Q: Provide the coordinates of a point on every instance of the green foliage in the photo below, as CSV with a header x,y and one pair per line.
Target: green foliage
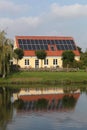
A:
x,y
77,64
41,54
14,68
18,54
84,59
68,58
6,54
79,49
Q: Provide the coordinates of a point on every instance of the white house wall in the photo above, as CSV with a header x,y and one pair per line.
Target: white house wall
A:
x,y
32,62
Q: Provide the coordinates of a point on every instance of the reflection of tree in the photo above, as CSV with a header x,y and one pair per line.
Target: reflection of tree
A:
x,y
19,104
6,113
41,103
68,101
6,108
83,89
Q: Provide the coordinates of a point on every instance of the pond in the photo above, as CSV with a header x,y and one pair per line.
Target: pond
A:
x,y
50,108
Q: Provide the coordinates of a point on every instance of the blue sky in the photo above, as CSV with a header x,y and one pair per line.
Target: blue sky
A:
x,y
45,17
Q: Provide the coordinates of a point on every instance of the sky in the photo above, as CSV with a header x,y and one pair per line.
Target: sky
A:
x,y
45,17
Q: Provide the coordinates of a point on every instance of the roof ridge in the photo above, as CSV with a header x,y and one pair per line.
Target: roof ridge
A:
x,y
43,37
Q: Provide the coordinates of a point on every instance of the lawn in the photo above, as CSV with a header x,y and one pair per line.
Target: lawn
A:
x,y
46,76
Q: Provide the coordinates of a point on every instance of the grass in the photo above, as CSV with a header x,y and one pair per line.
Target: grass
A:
x,y
43,77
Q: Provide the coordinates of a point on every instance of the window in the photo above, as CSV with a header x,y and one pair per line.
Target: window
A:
x,y
45,61
26,61
54,61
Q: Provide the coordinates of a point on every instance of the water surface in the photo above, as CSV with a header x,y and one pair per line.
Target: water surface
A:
x,y
43,109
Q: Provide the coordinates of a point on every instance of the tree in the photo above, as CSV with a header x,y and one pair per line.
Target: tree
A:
x,y
79,49
6,54
18,54
41,54
68,58
84,59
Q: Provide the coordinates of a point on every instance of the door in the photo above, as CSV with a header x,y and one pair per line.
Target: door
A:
x,y
36,63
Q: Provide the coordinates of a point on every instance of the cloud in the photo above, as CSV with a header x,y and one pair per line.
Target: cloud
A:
x,y
10,8
68,11
60,20
20,26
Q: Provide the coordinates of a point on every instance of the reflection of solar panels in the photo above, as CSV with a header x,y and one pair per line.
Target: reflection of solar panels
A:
x,y
32,44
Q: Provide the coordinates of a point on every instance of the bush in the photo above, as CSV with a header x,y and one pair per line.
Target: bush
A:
x,y
14,68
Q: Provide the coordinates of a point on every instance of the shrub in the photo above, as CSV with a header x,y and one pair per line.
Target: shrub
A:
x,y
14,68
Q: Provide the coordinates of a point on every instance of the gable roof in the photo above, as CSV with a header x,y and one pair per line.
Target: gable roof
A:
x,y
53,45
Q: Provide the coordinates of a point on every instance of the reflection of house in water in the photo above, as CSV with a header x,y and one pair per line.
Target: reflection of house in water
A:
x,y
56,98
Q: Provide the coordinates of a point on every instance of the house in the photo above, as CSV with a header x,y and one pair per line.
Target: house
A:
x,y
53,45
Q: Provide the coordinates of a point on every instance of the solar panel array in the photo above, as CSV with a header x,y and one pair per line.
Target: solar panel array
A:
x,y
27,44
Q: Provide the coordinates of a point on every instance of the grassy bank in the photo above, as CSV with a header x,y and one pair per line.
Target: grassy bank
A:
x,y
46,77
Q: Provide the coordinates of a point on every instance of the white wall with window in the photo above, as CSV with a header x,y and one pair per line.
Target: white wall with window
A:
x,y
33,62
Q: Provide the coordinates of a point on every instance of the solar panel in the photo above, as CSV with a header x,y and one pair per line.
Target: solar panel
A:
x,y
57,42
40,42
21,46
48,42
64,42
66,47
73,47
42,47
60,41
71,41
52,42
46,47
44,42
68,41
70,47
25,47
30,44
62,47
23,41
29,47
58,47
19,41
37,47
36,42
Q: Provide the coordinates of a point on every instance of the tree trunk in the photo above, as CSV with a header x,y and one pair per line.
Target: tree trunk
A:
x,y
67,67
17,61
4,71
